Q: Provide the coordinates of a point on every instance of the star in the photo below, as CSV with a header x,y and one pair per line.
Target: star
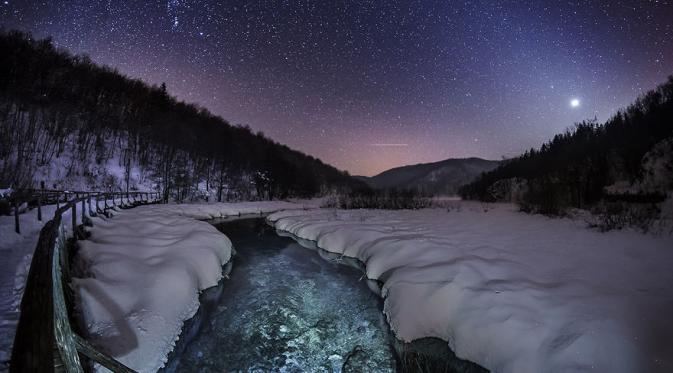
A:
x,y
331,78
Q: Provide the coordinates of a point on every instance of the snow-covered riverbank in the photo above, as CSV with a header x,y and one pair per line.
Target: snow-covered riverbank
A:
x,y
509,291
144,269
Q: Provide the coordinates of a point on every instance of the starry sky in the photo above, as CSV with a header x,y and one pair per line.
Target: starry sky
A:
x,y
370,85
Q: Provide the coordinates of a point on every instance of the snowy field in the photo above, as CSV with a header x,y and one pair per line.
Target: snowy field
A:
x,y
509,291
144,269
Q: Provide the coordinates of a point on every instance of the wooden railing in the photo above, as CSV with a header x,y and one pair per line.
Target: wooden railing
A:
x,y
39,197
45,340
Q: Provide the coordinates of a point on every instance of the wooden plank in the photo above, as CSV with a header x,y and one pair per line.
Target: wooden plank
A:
x,y
34,340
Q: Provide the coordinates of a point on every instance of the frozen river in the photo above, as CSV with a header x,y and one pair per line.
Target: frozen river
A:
x,y
284,308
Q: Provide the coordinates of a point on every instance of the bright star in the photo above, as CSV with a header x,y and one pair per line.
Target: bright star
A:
x,y
575,102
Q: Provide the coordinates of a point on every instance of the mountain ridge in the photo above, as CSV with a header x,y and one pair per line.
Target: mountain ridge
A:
x,y
442,177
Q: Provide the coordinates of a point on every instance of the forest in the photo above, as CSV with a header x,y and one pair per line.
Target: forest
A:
x,y
584,166
92,127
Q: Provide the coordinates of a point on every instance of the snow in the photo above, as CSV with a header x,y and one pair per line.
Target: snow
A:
x,y
16,251
510,291
71,169
144,270
145,273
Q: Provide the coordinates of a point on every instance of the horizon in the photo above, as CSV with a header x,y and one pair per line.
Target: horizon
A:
x,y
349,186
367,89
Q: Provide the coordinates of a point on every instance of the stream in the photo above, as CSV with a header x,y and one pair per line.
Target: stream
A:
x,y
284,308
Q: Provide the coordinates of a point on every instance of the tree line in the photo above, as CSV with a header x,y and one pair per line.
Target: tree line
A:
x,y
54,103
574,168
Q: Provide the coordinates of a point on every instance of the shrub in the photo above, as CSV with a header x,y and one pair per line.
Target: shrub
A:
x,y
619,215
378,199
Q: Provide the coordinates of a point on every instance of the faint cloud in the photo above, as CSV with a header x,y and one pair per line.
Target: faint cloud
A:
x,y
386,144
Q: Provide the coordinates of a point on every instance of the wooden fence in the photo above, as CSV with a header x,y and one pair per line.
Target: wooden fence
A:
x,y
45,340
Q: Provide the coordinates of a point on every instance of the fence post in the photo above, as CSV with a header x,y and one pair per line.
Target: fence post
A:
x,y
39,201
83,211
74,218
88,202
17,228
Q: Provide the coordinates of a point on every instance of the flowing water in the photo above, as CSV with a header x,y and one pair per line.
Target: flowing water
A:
x,y
284,309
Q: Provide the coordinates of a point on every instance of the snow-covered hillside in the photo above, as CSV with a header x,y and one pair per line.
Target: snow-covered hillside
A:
x,y
437,178
510,291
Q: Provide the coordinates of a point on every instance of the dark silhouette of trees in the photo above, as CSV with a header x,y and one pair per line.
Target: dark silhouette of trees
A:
x,y
573,168
54,103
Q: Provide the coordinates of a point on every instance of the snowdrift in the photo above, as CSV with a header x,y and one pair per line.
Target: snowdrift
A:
x,y
509,291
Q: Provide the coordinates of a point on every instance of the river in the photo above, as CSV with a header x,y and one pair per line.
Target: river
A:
x,y
284,308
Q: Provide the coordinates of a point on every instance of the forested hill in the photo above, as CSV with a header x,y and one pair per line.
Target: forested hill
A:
x,y
436,178
73,124
630,154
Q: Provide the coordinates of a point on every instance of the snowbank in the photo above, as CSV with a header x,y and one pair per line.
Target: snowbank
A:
x,y
509,291
144,270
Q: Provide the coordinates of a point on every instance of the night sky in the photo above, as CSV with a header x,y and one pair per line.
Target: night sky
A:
x,y
368,85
